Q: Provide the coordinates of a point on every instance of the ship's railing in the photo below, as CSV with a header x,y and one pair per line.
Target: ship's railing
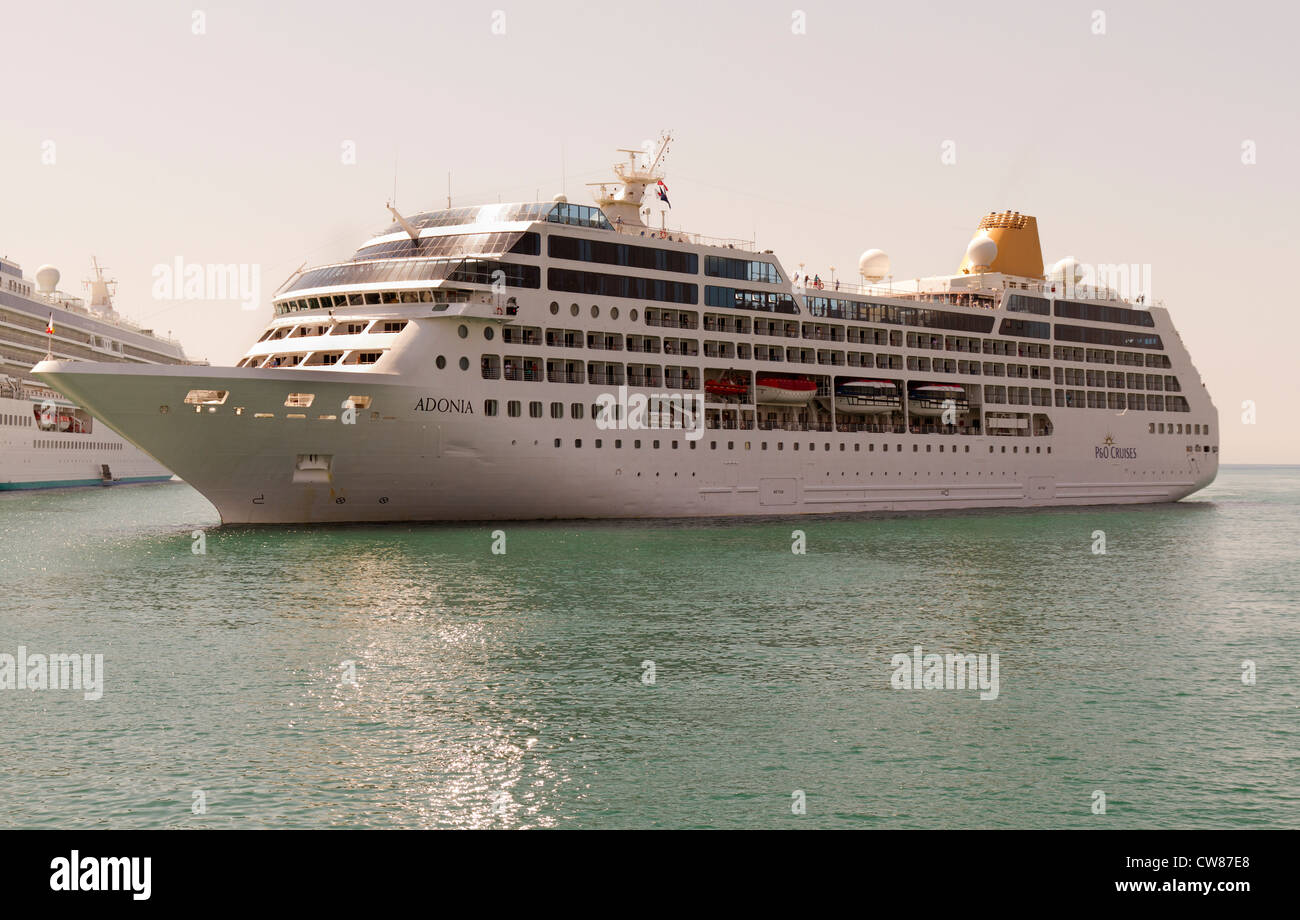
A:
x,y
822,287
982,295
682,236
987,300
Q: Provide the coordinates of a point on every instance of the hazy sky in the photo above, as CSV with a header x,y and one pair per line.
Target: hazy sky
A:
x,y
227,146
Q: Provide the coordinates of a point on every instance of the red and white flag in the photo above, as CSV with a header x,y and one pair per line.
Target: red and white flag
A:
x,y
49,327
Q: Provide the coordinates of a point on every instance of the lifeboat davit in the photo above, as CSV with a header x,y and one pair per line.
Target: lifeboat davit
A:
x,y
783,391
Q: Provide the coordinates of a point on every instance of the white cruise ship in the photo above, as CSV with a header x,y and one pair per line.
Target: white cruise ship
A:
x,y
46,440
555,360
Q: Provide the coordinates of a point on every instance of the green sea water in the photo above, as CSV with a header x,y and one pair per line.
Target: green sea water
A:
x,y
516,689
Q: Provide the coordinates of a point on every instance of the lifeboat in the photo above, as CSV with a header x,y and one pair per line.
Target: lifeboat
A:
x,y
867,397
931,399
726,386
783,391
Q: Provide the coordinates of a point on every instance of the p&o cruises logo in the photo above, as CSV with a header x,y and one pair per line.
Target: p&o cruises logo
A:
x,y
1108,450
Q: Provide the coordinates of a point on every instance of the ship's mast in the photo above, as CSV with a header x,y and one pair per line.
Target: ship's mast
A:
x,y
101,291
621,197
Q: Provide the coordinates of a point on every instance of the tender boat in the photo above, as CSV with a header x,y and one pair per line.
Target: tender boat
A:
x,y
726,387
932,399
867,397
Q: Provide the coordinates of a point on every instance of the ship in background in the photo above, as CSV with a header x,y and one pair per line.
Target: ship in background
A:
x,y
495,363
46,440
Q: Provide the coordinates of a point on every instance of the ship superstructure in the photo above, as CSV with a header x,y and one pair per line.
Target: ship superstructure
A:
x,y
540,360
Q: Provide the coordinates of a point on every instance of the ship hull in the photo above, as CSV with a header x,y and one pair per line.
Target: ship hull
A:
x,y
424,451
32,458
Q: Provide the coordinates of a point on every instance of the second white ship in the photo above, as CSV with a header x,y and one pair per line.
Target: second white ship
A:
x,y
47,440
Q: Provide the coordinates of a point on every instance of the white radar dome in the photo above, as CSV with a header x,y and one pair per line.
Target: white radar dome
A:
x,y
47,279
873,265
981,252
1066,271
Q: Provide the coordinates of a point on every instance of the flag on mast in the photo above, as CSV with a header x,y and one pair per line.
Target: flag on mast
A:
x,y
662,191
49,327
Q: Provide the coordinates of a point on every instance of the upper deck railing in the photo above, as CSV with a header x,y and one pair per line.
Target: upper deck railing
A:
x,y
682,236
984,292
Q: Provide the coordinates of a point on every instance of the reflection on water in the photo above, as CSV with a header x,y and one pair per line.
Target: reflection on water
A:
x,y
505,691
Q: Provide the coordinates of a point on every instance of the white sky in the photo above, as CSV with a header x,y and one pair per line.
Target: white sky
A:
x,y
226,147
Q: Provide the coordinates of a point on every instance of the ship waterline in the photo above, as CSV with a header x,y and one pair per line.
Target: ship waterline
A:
x,y
462,367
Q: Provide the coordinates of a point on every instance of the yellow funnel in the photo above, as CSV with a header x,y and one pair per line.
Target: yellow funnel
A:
x,y
1016,236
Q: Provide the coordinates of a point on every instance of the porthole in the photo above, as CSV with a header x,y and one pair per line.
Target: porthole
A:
x,y
488,333
595,311
633,314
441,362
555,308
613,312
462,331
573,309
464,364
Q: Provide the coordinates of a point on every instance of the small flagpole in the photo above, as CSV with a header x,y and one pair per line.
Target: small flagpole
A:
x,y
49,339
